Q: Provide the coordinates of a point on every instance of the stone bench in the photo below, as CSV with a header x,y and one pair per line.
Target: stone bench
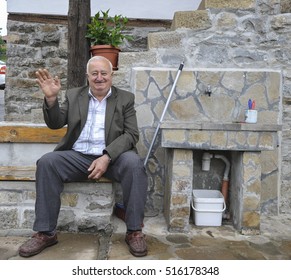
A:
x,y
86,206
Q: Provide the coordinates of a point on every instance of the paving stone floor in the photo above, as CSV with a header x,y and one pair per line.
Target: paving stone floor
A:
x,y
209,243
201,243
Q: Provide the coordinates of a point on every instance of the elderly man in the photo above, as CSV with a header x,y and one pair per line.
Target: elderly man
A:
x,y
101,136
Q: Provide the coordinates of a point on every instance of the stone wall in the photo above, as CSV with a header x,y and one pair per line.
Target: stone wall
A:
x,y
227,34
32,45
36,41
85,207
257,35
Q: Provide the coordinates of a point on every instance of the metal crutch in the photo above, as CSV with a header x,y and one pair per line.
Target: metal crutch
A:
x,y
164,112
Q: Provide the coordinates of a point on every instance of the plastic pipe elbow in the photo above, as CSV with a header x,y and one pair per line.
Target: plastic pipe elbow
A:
x,y
227,166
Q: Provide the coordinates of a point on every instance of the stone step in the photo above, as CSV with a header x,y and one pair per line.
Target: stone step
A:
x,y
198,19
134,59
128,60
172,38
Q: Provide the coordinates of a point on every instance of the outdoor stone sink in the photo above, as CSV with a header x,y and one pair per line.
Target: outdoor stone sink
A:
x,y
207,112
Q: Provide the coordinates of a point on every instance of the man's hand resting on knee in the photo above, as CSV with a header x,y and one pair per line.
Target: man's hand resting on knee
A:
x,y
98,167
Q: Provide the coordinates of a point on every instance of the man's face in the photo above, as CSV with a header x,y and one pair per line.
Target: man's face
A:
x,y
99,78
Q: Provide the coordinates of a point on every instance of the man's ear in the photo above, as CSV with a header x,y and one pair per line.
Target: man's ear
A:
x,y
87,79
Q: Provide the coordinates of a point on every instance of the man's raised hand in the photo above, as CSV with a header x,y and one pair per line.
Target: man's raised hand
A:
x,y
48,84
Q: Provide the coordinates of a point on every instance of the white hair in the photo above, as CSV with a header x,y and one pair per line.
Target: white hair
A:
x,y
98,58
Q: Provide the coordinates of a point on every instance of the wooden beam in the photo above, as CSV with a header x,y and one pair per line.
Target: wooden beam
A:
x,y
17,173
27,173
30,134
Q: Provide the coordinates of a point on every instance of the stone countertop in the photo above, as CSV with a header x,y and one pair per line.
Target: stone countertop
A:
x,y
235,126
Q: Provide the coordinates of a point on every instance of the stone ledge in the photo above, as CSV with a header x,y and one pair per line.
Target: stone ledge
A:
x,y
221,126
218,139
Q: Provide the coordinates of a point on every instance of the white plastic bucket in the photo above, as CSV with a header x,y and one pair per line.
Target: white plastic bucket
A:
x,y
208,207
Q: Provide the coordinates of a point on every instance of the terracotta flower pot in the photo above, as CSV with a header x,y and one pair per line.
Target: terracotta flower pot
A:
x,y
111,53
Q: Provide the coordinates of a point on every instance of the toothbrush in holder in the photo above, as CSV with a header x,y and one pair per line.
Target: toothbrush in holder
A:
x,y
251,104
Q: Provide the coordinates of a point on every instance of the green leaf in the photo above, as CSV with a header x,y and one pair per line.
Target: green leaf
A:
x,y
107,30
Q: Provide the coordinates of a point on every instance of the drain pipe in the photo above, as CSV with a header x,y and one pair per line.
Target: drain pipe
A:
x,y
206,158
225,180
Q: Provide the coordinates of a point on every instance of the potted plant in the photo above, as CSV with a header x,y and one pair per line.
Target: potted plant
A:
x,y
106,34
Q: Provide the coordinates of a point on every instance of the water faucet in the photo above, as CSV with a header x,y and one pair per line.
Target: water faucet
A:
x,y
208,90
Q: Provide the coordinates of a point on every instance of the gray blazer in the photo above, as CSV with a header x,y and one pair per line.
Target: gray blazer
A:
x,y
121,130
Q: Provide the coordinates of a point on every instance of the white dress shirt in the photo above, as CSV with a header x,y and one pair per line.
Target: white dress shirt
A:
x,y
92,138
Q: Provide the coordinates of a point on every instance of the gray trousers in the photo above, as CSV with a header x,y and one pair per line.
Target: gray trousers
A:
x,y
56,168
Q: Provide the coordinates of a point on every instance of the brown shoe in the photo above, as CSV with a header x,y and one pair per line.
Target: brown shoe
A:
x,y
137,244
36,244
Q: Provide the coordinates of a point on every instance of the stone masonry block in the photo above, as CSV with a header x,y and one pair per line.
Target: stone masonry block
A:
x,y
166,39
191,19
179,199
226,20
140,81
252,203
233,4
181,171
240,137
69,199
174,136
9,197
181,185
180,212
285,6
183,109
199,137
254,188
136,59
29,196
251,220
98,206
8,218
93,223
252,139
67,219
266,140
182,155
27,218
252,167
178,225
281,21
219,139
269,161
